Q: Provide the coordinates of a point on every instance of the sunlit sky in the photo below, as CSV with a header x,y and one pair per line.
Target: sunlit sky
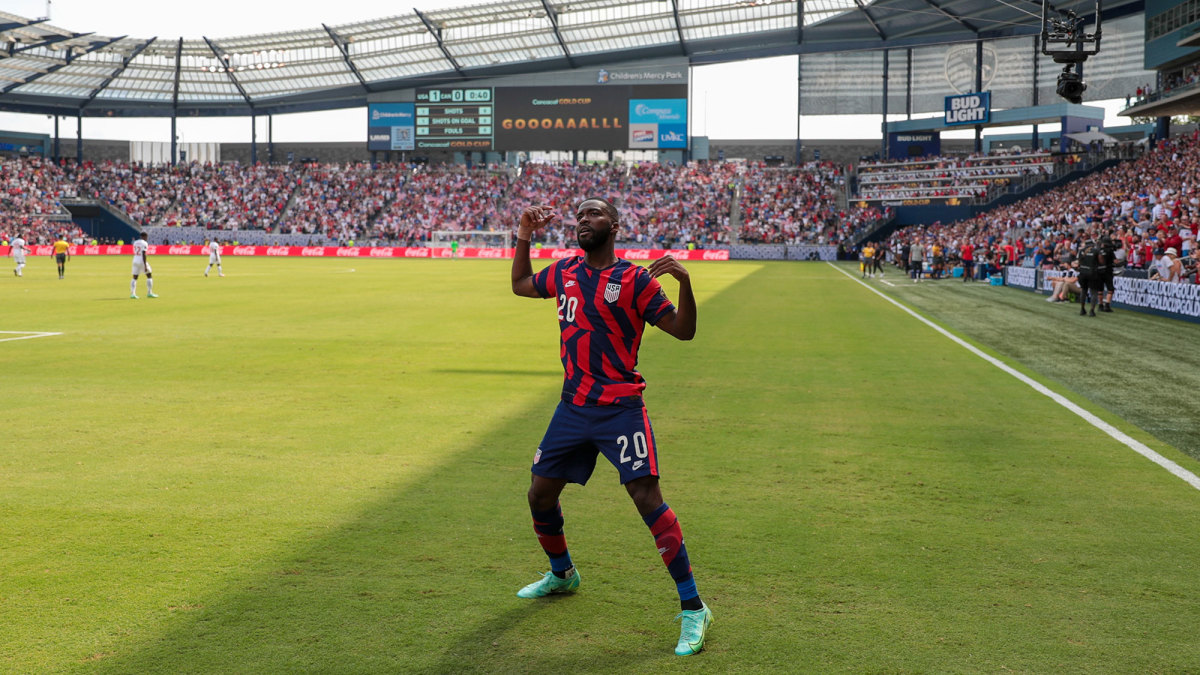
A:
x,y
716,101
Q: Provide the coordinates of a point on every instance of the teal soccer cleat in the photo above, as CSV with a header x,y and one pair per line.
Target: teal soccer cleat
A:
x,y
551,585
691,633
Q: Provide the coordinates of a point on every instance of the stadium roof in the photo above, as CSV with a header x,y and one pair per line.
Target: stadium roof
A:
x,y
51,70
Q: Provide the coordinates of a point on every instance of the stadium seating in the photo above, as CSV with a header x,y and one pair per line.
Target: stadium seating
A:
x,y
1143,204
969,177
663,205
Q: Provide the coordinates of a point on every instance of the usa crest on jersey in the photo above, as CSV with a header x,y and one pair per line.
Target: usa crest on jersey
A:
x,y
612,292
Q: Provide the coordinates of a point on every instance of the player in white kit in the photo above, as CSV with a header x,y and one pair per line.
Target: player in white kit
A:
x,y
18,251
214,257
140,266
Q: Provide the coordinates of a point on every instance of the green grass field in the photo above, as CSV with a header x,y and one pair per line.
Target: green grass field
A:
x,y
320,466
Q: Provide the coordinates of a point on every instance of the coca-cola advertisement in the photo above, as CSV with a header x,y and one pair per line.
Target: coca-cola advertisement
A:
x,y
381,252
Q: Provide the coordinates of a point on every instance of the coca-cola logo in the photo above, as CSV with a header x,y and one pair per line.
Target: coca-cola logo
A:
x,y
152,250
445,253
113,250
561,253
277,250
91,250
491,253
243,250
416,253
381,252
179,250
635,254
716,255
312,250
347,252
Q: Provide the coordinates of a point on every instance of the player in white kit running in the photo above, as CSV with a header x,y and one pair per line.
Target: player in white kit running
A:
x,y
141,265
214,257
18,251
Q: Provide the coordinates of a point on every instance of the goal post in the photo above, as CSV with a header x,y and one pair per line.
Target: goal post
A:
x,y
470,239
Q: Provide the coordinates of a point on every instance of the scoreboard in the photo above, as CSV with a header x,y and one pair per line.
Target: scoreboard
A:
x,y
459,118
605,116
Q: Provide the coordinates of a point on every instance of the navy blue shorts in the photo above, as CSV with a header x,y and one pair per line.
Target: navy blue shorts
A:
x,y
577,434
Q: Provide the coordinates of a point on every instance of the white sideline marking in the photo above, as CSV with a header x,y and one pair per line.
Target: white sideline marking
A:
x,y
1132,443
25,335
882,281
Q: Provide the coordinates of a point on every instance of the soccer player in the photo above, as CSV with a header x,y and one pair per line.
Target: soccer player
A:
x,y
140,265
18,251
214,257
62,253
603,304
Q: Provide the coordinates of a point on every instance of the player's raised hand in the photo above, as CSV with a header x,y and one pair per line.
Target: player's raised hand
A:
x,y
535,217
668,265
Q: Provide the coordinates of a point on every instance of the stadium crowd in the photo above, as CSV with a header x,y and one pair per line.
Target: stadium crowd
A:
x,y
967,176
1149,209
663,204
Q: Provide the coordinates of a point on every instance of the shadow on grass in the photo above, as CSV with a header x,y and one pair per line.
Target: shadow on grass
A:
x,y
424,581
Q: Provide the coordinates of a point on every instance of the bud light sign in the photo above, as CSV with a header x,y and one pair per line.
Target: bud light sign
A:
x,y
968,109
657,123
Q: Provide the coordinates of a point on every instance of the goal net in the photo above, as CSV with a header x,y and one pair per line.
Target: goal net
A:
x,y
471,239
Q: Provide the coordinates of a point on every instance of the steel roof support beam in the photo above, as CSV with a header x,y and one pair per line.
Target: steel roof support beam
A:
x,y
175,103
678,26
178,65
800,22
9,25
46,42
553,16
120,69
344,48
870,19
223,58
437,35
70,56
952,16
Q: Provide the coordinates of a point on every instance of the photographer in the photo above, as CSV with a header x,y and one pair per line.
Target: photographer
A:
x,y
1108,263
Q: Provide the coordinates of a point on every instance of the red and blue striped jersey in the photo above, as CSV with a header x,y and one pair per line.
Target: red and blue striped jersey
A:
x,y
601,315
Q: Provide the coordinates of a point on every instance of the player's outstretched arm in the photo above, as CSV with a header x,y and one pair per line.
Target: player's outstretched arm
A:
x,y
681,322
533,218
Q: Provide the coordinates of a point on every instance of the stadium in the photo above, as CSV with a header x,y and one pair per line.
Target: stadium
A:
x,y
923,398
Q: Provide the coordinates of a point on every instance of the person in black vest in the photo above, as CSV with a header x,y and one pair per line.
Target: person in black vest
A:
x,y
1108,253
1090,261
